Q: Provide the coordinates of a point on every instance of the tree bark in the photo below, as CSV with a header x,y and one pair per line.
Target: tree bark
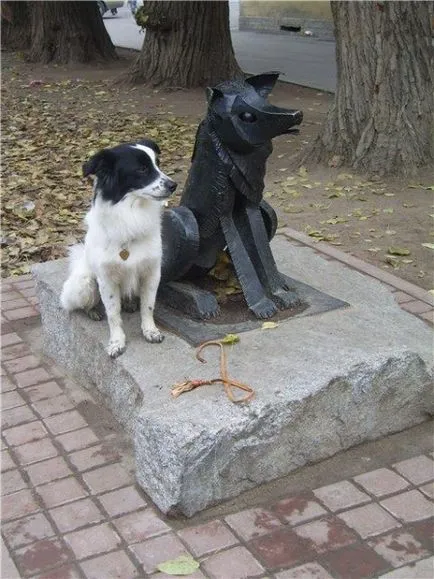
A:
x,y
67,32
15,25
187,44
382,118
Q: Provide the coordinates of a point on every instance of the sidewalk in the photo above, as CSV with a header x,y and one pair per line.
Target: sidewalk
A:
x,y
70,508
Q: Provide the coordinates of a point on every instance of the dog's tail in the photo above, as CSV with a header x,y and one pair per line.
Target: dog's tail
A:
x,y
80,291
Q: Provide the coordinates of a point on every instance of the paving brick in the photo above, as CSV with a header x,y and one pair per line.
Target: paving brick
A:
x,y
77,439
6,384
398,548
11,400
43,391
18,504
16,416
9,295
402,297
423,531
92,541
25,433
355,561
409,506
428,317
8,568
122,501
27,530
25,282
48,470
28,292
71,516
298,509
14,304
369,520
381,482
140,526
65,422
53,406
417,470
428,490
16,350
6,461
30,377
35,451
64,572
204,539
107,478
326,534
20,313
419,570
42,555
416,307
195,575
114,565
61,491
235,563
253,523
282,548
306,571
341,495
158,550
11,482
94,456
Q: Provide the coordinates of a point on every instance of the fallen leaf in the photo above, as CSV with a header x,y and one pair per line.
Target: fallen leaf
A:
x,y
183,565
428,245
230,339
398,251
269,325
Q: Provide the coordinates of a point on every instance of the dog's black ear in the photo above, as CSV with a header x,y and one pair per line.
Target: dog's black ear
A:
x,y
212,94
151,144
263,83
102,161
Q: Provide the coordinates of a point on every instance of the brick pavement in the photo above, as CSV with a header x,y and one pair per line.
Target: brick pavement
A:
x,y
70,508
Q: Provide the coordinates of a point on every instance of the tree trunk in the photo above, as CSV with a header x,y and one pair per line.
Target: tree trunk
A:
x,y
382,118
187,44
65,32
15,25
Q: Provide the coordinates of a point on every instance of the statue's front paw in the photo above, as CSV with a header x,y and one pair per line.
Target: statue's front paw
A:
x,y
264,309
286,299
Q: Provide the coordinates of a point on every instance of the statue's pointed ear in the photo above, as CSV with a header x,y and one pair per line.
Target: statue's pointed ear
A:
x,y
263,83
212,94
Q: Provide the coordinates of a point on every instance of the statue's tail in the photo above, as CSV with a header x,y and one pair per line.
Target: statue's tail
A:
x,y
180,235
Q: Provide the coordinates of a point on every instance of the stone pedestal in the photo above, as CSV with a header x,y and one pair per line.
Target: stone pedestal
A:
x,y
323,383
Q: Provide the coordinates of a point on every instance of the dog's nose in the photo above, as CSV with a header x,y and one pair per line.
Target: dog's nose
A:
x,y
171,185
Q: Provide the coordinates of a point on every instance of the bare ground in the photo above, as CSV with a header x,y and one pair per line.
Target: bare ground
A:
x,y
53,118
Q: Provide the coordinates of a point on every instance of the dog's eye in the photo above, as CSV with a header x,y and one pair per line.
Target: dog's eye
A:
x,y
248,117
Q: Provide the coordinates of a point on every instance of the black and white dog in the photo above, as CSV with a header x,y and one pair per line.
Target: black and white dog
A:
x,y
122,252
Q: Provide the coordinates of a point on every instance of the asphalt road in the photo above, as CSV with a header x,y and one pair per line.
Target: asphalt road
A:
x,y
304,61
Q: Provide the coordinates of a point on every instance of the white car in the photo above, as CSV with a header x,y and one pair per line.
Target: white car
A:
x,y
112,5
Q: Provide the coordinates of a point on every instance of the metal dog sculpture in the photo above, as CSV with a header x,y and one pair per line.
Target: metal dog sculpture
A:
x,y
222,206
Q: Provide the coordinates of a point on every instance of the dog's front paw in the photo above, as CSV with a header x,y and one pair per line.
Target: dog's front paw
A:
x,y
153,336
264,309
116,348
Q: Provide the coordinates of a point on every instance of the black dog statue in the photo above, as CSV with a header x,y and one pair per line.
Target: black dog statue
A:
x,y
222,206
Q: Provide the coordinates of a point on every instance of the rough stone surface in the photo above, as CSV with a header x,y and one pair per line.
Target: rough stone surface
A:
x,y
323,384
